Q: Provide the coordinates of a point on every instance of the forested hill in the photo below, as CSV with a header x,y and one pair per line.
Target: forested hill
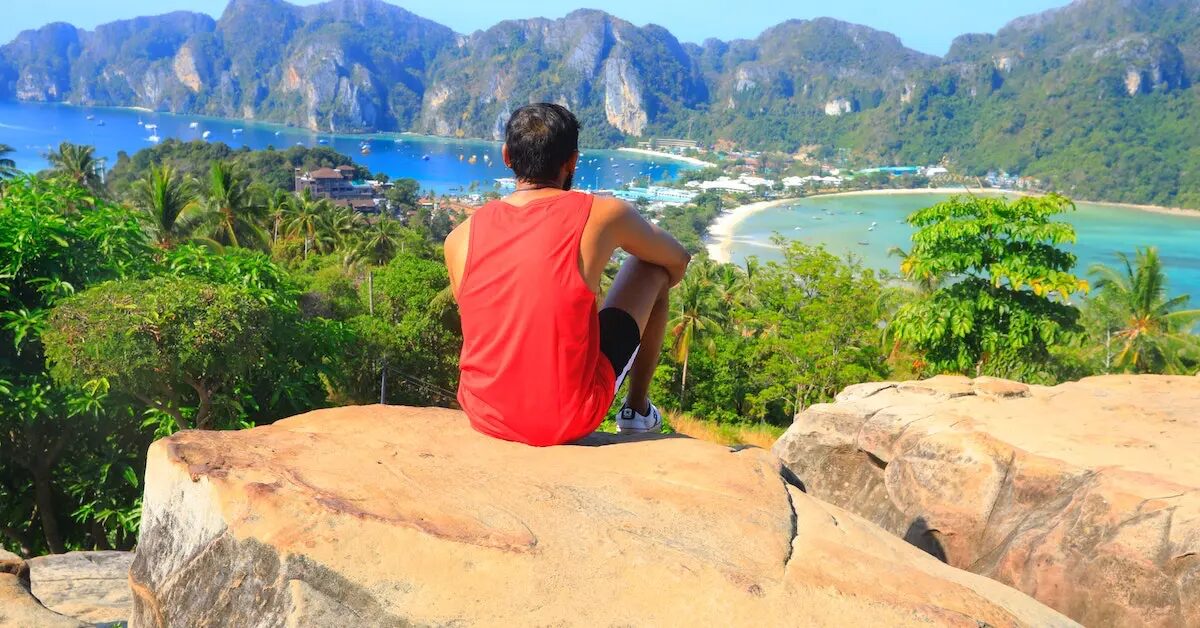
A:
x,y
1098,98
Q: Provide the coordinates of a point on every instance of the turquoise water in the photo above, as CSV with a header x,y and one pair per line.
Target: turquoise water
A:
x,y
34,129
835,222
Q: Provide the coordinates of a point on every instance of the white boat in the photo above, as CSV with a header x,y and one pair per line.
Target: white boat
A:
x,y
236,131
193,125
206,134
89,117
153,138
151,127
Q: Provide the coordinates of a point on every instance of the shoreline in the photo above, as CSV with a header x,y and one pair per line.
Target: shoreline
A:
x,y
719,236
653,153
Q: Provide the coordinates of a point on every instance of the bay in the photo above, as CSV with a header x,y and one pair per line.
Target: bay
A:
x,y
440,164
835,222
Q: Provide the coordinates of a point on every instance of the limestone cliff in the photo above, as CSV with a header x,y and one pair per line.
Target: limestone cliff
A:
x,y
1084,495
400,516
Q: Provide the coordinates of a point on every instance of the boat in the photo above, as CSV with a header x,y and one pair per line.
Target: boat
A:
x,y
89,117
425,157
365,149
153,138
193,125
139,122
151,127
460,156
473,159
206,134
236,131
859,213
322,141
100,123
864,243
277,133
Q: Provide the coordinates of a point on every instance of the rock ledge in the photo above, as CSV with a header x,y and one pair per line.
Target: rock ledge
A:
x,y
398,516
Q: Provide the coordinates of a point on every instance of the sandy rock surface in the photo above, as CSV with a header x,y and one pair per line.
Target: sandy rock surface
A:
x,y
1084,495
396,516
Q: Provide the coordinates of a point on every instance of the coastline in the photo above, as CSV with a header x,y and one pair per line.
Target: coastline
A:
x,y
719,237
719,240
653,153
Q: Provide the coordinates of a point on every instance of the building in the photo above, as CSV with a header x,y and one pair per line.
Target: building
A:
x,y
668,144
337,184
657,194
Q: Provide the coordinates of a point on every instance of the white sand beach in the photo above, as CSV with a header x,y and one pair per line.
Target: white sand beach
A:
x,y
653,153
720,232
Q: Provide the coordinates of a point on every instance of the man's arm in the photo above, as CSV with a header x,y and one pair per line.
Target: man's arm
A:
x,y
647,242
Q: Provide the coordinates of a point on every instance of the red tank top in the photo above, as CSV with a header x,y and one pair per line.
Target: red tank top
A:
x,y
531,369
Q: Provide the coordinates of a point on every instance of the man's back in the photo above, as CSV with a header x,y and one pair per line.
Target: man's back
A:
x,y
540,364
530,323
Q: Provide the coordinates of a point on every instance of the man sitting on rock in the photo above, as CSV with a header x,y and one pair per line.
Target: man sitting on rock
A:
x,y
539,364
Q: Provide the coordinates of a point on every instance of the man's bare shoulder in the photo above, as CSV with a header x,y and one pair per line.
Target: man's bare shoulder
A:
x,y
458,237
610,209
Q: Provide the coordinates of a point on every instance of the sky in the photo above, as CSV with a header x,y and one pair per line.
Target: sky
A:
x,y
926,25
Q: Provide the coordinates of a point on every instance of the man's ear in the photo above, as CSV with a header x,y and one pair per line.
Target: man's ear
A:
x,y
572,163
504,155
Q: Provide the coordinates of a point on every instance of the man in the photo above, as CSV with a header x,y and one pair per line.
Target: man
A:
x,y
539,364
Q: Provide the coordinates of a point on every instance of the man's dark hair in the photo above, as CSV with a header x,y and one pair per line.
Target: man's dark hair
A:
x,y
541,138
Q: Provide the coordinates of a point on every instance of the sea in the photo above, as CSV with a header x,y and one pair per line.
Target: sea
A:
x,y
443,165
868,226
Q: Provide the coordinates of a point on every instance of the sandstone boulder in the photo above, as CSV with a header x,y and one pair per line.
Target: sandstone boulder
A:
x,y
1084,495
381,516
18,607
91,586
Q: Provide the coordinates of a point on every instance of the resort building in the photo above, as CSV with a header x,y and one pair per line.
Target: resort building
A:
x,y
338,185
657,194
667,144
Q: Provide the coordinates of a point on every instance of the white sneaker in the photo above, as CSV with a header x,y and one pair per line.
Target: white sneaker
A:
x,y
629,421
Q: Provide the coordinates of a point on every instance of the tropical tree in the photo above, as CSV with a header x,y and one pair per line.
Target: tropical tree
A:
x,y
182,346
231,214
77,164
303,219
383,239
8,167
694,317
1152,330
48,252
168,203
1009,301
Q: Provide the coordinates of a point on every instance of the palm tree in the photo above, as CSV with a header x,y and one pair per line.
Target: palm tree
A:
x,y
231,213
382,240
924,284
8,167
337,227
693,308
277,209
303,218
1154,331
75,163
168,202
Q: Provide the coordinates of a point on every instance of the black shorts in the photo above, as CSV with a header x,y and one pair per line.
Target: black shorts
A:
x,y
619,341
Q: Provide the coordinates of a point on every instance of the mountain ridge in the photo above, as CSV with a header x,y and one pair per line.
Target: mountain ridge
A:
x,y
1097,85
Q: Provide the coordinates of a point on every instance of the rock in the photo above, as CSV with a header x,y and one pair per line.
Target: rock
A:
x,y
18,607
401,516
1084,495
90,586
12,564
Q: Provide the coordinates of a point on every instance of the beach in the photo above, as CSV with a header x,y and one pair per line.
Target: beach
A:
x,y
720,236
653,153
720,232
